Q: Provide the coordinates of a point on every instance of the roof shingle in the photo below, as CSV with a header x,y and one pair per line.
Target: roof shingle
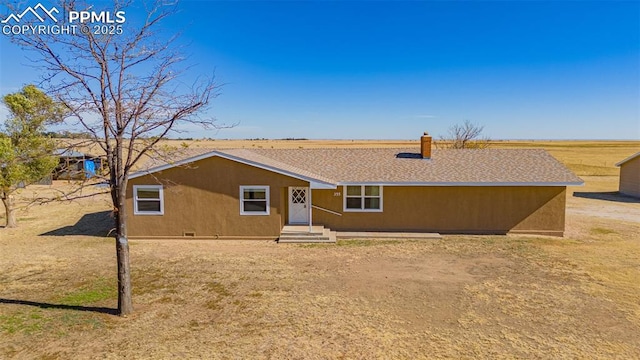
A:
x,y
404,165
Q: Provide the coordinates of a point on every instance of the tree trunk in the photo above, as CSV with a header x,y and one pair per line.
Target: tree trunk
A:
x,y
9,211
125,304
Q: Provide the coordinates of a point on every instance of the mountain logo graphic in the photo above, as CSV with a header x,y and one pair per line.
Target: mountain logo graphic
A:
x,y
34,11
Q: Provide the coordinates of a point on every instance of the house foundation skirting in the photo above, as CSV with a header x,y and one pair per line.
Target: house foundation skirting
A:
x,y
220,237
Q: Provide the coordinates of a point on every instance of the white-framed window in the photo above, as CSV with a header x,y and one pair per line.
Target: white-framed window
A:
x,y
362,198
254,200
148,200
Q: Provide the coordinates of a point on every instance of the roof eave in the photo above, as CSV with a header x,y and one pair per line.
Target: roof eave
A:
x,y
477,183
314,183
167,166
620,163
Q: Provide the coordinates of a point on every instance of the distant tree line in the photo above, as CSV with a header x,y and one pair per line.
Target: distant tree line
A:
x,y
67,135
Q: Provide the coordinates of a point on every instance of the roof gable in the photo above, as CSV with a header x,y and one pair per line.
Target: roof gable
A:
x,y
255,160
628,159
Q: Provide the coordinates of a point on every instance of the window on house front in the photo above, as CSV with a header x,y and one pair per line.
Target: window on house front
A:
x,y
148,200
363,198
254,200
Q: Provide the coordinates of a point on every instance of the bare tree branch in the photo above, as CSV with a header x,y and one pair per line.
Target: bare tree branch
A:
x,y
464,136
126,91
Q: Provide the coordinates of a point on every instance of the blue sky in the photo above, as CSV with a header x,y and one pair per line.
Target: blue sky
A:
x,y
391,70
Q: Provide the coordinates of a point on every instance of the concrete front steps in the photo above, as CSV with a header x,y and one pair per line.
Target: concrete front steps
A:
x,y
301,234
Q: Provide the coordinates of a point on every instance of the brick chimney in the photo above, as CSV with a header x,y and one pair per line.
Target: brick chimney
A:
x,y
425,146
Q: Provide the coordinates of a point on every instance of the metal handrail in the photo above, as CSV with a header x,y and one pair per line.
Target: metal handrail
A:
x,y
327,210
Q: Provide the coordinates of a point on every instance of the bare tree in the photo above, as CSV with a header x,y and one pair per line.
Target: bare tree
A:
x,y
125,88
464,136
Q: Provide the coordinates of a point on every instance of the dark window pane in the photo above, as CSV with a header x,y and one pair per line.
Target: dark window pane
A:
x,y
354,203
255,206
353,190
149,206
372,203
148,193
372,190
254,194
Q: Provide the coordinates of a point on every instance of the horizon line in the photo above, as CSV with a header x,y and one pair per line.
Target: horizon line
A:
x,y
397,139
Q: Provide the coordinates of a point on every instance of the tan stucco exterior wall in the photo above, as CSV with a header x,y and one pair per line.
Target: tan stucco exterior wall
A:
x,y
204,199
490,210
630,177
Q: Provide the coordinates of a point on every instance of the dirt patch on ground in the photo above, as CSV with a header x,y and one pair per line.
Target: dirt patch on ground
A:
x,y
423,292
600,199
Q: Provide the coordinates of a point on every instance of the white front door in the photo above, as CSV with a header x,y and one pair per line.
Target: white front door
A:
x,y
298,205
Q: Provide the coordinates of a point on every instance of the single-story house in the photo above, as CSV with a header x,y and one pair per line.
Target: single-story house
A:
x,y
630,175
254,193
74,165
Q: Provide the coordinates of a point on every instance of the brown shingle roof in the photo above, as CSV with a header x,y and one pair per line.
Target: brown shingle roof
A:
x,y
445,166
271,161
380,165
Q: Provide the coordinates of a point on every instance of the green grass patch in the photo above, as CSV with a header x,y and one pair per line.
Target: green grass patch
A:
x,y
24,322
35,320
97,290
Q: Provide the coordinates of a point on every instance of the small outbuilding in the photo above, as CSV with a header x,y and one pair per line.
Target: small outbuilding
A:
x,y
74,165
630,175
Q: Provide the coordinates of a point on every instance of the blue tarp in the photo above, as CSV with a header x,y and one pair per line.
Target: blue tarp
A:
x,y
89,168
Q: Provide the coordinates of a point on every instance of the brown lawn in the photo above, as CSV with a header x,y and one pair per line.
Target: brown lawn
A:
x,y
459,297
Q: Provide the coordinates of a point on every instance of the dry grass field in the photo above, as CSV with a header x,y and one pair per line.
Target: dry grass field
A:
x,y
457,297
